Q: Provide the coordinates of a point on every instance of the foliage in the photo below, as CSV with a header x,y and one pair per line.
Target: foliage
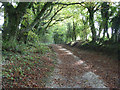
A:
x,y
21,68
14,46
10,44
41,48
30,26
33,37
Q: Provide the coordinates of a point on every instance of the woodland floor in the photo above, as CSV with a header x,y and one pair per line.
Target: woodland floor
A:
x,y
77,68
70,67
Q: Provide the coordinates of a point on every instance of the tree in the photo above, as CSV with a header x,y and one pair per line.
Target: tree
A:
x,y
13,18
92,8
105,17
116,27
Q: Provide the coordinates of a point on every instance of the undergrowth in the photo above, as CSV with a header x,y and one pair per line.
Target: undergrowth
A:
x,y
106,47
26,65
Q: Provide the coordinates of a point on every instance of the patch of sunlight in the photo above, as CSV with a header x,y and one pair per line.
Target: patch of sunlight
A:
x,y
0,4
59,46
79,62
68,52
72,43
95,70
93,80
1,18
63,49
78,38
115,0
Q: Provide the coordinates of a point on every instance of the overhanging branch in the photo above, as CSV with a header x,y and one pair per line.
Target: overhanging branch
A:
x,y
32,25
61,19
48,13
66,3
53,17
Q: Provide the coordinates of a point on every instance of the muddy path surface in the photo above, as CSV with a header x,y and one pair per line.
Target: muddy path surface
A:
x,y
73,72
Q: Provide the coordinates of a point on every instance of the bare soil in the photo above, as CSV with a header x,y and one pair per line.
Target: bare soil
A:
x,y
77,68
107,67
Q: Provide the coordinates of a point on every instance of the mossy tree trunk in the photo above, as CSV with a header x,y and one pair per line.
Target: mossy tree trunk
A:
x,y
13,16
105,18
74,31
91,23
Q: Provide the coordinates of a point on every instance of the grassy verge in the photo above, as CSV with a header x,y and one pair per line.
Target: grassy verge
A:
x,y
106,48
31,68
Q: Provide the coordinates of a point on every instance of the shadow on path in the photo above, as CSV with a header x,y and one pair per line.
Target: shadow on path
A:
x,y
72,72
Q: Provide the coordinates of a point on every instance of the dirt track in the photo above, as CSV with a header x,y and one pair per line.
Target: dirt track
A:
x,y
73,72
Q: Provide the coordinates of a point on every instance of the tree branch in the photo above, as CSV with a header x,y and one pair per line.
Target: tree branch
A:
x,y
36,20
97,8
53,17
48,13
67,3
61,19
8,6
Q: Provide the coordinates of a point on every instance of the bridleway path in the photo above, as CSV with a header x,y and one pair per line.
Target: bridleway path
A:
x,y
71,72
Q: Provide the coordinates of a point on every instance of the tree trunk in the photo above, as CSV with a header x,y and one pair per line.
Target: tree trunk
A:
x,y
100,30
74,33
91,22
106,29
13,17
11,28
105,17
